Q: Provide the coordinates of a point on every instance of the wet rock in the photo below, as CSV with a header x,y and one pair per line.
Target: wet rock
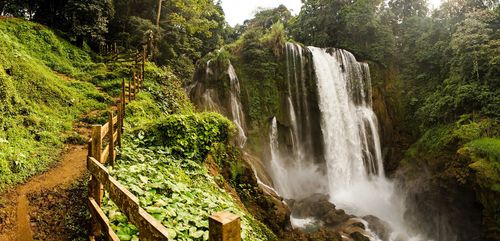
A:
x,y
359,225
357,236
323,234
335,217
320,208
381,228
317,205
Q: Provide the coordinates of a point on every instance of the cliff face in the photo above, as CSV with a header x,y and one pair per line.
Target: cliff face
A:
x,y
386,105
446,181
450,185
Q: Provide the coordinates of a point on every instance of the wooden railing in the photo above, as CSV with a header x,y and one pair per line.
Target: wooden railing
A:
x,y
102,148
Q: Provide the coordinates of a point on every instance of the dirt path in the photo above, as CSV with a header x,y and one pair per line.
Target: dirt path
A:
x,y
16,205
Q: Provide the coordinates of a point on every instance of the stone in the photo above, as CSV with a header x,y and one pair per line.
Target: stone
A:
x,y
357,236
334,218
316,205
381,228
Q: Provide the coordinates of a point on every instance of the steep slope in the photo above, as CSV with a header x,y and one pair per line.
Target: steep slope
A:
x,y
172,159
43,90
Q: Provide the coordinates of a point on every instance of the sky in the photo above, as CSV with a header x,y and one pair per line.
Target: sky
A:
x,y
237,11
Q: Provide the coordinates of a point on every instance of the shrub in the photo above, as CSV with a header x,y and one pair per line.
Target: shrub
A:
x,y
190,135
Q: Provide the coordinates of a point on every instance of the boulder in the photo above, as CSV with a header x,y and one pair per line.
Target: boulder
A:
x,y
357,236
335,218
381,228
316,205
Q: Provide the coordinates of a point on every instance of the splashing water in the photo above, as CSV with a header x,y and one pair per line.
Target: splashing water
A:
x,y
351,171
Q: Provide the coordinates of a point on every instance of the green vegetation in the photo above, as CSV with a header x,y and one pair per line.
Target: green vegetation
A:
x,y
436,91
163,164
258,57
488,148
485,154
43,91
190,135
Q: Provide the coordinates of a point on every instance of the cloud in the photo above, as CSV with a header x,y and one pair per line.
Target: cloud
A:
x,y
237,11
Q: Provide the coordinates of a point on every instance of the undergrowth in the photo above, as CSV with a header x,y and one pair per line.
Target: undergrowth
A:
x,y
44,89
162,164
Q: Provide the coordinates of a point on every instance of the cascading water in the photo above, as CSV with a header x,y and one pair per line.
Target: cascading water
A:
x,y
235,103
293,167
209,94
350,168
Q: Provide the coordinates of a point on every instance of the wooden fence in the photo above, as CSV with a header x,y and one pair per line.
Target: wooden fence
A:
x,y
102,149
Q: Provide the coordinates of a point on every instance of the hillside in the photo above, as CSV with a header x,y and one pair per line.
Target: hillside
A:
x,y
45,89
54,91
362,120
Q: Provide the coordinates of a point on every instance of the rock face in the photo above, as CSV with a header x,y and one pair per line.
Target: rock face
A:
x,y
330,220
318,207
381,228
357,236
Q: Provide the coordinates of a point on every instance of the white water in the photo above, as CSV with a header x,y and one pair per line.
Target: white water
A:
x,y
209,99
354,177
355,172
236,107
294,174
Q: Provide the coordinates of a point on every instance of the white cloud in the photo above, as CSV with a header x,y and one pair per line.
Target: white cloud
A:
x,y
237,11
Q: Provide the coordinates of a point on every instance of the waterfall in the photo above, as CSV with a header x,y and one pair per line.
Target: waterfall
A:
x,y
208,93
292,164
349,166
348,124
236,107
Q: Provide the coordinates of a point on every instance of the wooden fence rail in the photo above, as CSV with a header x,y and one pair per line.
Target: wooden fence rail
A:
x,y
149,228
102,148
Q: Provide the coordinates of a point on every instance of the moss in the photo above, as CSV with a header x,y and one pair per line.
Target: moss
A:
x,y
485,156
488,148
456,160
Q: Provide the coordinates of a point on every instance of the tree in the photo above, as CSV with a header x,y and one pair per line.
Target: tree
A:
x,y
475,47
319,22
404,9
80,20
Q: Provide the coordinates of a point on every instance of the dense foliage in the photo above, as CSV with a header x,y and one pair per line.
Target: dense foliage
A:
x,y
187,30
447,58
163,162
43,90
79,20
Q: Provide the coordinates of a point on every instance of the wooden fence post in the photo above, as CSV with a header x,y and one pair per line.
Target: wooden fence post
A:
x,y
111,139
95,188
93,184
140,76
134,83
224,226
129,91
96,153
143,61
123,106
119,125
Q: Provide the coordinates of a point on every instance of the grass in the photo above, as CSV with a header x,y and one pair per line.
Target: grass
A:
x,y
488,148
44,88
485,155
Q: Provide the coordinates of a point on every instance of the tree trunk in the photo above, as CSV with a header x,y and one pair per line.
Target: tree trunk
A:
x,y
158,14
